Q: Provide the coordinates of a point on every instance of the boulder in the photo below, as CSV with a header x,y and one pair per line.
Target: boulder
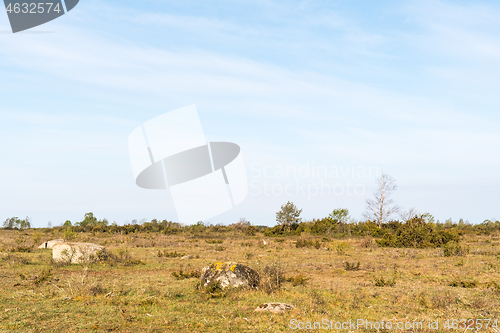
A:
x,y
50,243
274,307
77,253
230,274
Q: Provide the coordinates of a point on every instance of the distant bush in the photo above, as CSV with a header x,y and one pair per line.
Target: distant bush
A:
x,y
416,233
251,230
307,243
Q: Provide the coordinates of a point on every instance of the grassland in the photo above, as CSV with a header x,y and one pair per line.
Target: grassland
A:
x,y
135,290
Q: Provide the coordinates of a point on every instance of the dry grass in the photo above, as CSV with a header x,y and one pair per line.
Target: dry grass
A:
x,y
137,290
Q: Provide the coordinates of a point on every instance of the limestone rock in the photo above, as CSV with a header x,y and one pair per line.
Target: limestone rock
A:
x,y
230,274
50,243
77,253
274,307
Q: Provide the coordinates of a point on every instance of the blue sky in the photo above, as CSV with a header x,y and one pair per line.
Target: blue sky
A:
x,y
408,88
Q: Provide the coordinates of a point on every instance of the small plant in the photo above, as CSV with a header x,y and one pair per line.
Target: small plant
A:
x,y
45,275
214,289
382,281
214,241
219,248
132,262
298,280
279,240
351,266
180,275
172,254
342,248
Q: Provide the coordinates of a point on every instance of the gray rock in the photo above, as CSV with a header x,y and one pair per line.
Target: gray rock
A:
x,y
230,274
274,307
77,253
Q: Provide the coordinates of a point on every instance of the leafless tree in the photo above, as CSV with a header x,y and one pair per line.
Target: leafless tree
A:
x,y
409,214
382,206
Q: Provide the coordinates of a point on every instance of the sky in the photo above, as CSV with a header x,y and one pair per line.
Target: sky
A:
x,y
321,96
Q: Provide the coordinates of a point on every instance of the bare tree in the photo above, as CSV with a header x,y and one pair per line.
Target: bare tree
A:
x,y
382,206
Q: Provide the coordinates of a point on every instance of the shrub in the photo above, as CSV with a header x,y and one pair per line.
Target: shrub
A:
x,y
342,248
416,233
251,230
272,278
45,275
307,243
455,249
464,283
298,280
381,281
180,275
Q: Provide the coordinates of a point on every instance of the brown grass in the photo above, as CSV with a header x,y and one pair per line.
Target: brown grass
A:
x,y
137,290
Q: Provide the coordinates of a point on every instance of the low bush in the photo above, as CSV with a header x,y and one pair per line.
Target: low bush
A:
x,y
251,230
416,233
272,278
180,275
342,248
307,243
452,249
463,283
172,254
298,280
381,281
214,241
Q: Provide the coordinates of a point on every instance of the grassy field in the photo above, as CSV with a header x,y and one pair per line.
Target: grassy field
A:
x,y
135,290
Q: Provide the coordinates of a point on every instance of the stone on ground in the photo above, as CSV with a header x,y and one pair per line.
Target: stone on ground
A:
x,y
77,253
230,274
274,307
